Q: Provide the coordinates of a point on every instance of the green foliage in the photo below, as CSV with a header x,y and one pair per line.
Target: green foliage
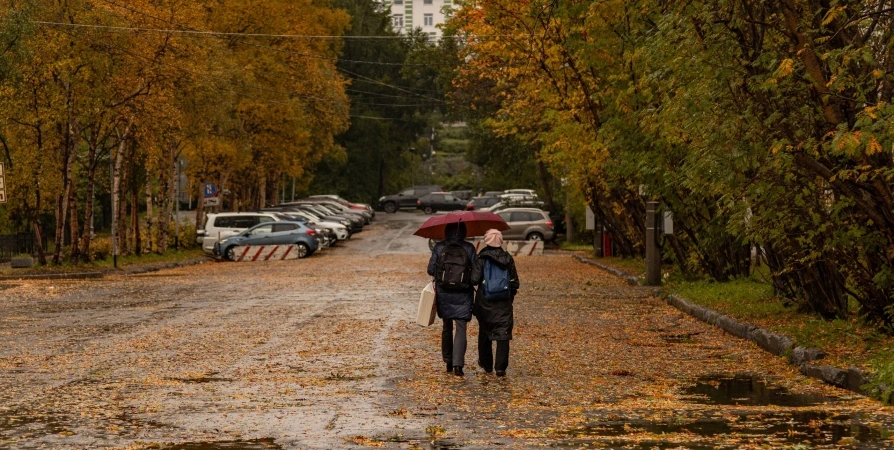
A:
x,y
392,105
718,109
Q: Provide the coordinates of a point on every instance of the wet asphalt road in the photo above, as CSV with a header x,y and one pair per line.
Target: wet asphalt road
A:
x,y
323,353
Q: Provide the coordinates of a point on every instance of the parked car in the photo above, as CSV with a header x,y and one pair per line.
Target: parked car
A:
x,y
406,198
342,209
526,192
271,233
349,204
325,236
494,193
440,201
481,202
339,229
527,224
220,226
522,200
355,223
462,195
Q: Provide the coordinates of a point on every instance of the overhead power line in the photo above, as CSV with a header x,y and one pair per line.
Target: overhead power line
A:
x,y
231,34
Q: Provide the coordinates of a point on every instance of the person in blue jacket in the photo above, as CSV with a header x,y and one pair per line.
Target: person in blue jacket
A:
x,y
495,317
455,308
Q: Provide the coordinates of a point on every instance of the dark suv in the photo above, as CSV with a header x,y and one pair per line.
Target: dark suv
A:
x,y
406,198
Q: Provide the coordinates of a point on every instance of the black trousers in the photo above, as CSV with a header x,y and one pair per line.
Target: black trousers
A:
x,y
453,347
485,351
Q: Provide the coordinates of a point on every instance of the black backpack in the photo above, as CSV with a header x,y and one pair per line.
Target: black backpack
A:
x,y
454,273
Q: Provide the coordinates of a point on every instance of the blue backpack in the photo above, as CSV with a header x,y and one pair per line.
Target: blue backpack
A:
x,y
496,282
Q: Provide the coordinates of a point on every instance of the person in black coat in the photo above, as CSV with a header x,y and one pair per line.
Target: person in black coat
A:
x,y
495,317
455,308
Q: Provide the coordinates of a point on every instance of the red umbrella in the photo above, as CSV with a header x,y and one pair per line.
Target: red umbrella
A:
x,y
477,223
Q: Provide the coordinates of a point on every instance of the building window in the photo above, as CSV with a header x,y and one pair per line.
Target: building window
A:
x,y
398,2
397,21
426,2
428,20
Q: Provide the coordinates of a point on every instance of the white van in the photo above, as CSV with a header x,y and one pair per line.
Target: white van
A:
x,y
223,225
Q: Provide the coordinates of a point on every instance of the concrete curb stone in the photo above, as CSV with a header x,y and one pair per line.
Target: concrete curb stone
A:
x,y
131,270
853,379
54,276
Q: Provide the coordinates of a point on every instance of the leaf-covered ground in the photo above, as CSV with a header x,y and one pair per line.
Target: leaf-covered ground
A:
x,y
323,353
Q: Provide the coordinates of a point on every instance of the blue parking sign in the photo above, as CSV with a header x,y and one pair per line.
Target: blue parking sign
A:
x,y
210,190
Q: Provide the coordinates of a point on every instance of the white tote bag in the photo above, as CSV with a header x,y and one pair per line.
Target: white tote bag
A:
x,y
425,316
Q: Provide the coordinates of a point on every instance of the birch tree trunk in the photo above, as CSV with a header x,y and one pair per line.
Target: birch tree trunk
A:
x,y
150,217
262,192
89,202
135,220
73,223
116,182
166,192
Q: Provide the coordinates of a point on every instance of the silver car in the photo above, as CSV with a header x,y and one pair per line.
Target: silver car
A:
x,y
529,224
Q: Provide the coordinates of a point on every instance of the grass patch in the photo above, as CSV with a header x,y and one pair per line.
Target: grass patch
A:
x,y
848,342
575,247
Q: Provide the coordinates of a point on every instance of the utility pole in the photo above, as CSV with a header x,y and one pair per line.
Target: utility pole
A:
x,y
177,207
653,254
114,215
413,166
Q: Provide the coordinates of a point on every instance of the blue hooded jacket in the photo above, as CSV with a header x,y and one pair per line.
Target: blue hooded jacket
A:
x,y
453,305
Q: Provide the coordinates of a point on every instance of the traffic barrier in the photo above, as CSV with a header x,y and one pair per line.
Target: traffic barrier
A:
x,y
253,253
516,248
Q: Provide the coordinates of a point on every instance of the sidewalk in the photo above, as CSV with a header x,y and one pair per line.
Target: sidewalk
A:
x,y
598,362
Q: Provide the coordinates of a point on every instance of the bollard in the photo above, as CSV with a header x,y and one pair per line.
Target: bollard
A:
x,y
653,255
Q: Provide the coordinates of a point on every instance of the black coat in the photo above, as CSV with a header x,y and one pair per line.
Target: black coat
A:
x,y
495,316
453,305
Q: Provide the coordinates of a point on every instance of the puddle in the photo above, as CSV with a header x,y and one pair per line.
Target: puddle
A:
x,y
155,275
748,390
814,428
681,338
256,444
197,380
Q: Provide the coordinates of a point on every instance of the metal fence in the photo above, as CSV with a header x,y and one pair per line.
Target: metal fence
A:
x,y
16,244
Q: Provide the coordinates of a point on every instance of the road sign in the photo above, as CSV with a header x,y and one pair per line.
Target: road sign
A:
x,y
211,201
210,190
591,219
2,184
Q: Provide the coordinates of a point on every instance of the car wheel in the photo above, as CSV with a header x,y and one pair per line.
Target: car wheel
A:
x,y
428,210
535,236
301,249
390,208
231,253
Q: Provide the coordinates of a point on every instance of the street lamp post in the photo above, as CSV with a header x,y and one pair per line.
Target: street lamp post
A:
x,y
413,166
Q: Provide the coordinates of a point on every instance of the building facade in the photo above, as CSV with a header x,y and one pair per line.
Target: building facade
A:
x,y
407,15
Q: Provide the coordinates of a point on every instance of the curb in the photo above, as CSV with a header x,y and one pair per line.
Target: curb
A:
x,y
55,276
97,275
162,266
631,280
851,379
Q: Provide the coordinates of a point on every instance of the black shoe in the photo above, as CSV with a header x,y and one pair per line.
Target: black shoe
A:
x,y
458,371
486,369
501,373
449,367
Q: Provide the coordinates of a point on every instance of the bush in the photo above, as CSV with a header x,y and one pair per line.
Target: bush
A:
x,y
187,234
100,248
